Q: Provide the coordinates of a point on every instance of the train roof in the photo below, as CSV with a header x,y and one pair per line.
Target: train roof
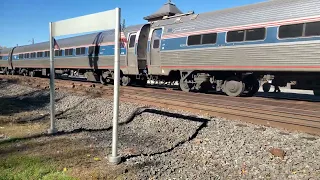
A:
x,y
5,50
269,11
105,36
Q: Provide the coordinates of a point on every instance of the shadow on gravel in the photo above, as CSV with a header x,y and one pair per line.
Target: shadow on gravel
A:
x,y
289,96
128,120
35,100
58,114
25,102
203,121
5,82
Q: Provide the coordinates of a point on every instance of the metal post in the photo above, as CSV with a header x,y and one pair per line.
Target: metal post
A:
x,y
52,129
114,158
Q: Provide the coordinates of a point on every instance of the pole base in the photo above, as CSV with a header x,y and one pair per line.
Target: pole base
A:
x,y
114,160
52,131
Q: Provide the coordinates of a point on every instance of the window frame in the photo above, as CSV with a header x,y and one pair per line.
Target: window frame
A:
x,y
162,29
201,39
305,28
35,55
264,38
158,44
40,56
194,44
24,55
80,51
134,45
65,50
245,35
44,54
303,31
93,50
209,43
58,53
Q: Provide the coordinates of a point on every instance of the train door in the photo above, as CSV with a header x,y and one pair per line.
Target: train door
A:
x,y
142,47
155,44
131,55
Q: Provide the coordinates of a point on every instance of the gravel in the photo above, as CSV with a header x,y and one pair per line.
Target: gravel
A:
x,y
168,144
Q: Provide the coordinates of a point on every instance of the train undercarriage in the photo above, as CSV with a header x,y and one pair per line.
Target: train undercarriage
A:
x,y
230,83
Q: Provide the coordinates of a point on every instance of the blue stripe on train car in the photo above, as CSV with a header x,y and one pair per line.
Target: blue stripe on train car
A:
x,y
103,51
4,58
272,34
109,50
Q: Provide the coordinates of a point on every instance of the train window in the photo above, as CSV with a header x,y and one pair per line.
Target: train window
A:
x,y
313,29
68,52
58,53
0,57
39,54
156,43
91,50
132,41
156,37
21,56
26,55
94,50
46,53
80,51
32,55
194,40
209,38
255,34
291,31
235,36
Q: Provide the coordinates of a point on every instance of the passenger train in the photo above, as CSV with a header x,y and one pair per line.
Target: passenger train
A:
x,y
227,51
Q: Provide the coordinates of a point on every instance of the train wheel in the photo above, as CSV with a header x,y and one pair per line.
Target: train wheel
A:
x,y
184,86
12,72
233,87
125,80
24,72
142,82
266,87
6,71
205,86
252,85
31,73
103,80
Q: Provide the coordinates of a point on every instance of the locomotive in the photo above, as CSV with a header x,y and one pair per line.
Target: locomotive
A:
x,y
227,50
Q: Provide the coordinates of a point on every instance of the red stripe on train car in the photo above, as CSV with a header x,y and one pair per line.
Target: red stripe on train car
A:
x,y
244,67
67,67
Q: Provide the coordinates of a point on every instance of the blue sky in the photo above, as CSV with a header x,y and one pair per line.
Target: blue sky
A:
x,y
22,20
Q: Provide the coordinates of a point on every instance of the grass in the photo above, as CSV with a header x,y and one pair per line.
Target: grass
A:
x,y
23,130
22,167
27,153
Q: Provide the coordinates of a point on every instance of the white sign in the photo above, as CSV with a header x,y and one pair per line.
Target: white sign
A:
x,y
92,22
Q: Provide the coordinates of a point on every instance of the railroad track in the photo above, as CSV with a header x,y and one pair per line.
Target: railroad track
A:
x,y
292,115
